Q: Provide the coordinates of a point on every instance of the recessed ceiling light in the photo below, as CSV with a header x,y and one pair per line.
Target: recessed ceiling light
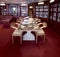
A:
x,y
52,1
40,3
2,4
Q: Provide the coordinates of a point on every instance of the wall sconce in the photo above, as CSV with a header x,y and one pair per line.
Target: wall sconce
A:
x,y
31,7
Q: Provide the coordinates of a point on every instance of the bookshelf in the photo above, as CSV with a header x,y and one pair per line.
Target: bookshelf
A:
x,y
58,19
53,11
46,11
37,11
3,10
24,10
41,11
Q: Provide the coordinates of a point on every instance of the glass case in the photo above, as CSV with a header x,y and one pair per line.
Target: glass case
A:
x,y
53,11
58,19
13,9
3,10
24,11
42,11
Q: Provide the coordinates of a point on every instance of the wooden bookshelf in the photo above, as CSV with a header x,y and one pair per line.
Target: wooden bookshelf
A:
x,y
24,10
58,19
3,10
46,11
53,11
41,11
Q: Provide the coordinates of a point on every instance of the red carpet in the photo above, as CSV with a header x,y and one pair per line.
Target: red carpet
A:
x,y
51,48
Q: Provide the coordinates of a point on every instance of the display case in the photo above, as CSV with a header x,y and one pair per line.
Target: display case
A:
x,y
13,9
53,11
58,19
24,10
42,11
3,10
46,11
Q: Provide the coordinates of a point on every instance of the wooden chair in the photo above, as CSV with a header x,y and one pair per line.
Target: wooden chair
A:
x,y
15,25
42,25
17,33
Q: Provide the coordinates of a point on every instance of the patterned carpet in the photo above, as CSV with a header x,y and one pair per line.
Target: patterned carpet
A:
x,y
51,48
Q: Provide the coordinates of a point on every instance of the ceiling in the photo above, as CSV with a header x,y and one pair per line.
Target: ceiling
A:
x,y
20,1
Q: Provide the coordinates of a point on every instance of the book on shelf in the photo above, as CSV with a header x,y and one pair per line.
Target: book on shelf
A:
x,y
54,9
41,7
54,14
59,4
45,6
37,15
46,13
55,5
41,10
37,6
50,17
58,20
58,14
37,12
51,9
58,8
54,18
45,16
37,9
45,9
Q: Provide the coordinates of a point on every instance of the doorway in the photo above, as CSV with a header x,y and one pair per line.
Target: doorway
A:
x,y
31,12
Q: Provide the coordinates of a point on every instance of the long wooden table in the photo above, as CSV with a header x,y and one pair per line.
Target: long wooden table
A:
x,y
28,25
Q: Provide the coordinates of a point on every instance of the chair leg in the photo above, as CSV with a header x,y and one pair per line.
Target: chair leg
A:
x,y
12,40
36,39
20,40
44,38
